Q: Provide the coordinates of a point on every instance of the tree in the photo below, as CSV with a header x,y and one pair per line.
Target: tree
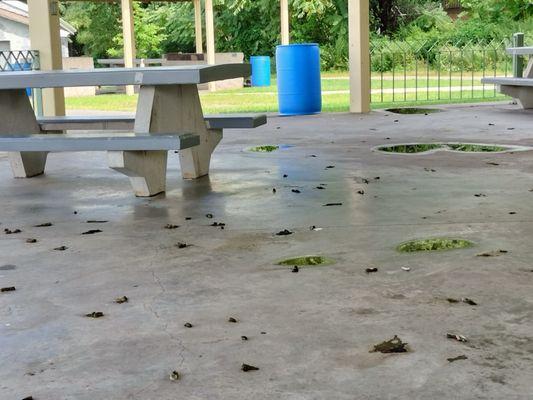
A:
x,y
97,25
100,30
498,10
253,26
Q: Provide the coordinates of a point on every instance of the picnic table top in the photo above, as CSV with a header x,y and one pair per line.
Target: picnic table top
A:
x,y
520,51
174,75
508,81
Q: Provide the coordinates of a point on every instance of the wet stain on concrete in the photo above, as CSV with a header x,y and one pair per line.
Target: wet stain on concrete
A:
x,y
413,110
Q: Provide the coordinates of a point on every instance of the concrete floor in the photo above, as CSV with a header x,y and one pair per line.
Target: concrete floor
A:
x,y
309,333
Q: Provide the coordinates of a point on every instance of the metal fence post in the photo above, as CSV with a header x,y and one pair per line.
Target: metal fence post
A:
x,y
518,62
37,92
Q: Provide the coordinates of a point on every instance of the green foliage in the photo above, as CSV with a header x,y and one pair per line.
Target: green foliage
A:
x,y
251,27
100,32
97,25
177,20
405,32
149,35
265,149
498,10
432,17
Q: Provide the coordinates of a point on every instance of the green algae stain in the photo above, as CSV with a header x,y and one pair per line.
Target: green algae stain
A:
x,y
414,148
264,149
434,244
475,148
413,110
307,261
411,148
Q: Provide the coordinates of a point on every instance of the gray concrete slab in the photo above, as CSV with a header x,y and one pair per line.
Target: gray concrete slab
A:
x,y
318,324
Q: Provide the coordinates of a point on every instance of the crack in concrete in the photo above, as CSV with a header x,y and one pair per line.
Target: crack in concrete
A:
x,y
150,307
173,337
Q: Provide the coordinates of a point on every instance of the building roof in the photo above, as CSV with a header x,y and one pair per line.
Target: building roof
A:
x,y
15,10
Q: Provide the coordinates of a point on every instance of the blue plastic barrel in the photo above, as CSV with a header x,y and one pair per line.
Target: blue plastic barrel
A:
x,y
260,70
25,66
298,74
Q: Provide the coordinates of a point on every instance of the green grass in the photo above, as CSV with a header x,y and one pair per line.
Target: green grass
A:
x,y
306,261
425,147
475,148
336,83
264,149
214,103
411,148
265,99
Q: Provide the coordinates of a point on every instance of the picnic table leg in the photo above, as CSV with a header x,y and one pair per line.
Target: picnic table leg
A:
x,y
18,118
28,163
196,160
173,109
165,110
147,170
523,94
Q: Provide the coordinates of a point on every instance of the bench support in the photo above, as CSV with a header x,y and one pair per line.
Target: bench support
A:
x,y
177,108
18,118
28,163
523,94
147,170
196,160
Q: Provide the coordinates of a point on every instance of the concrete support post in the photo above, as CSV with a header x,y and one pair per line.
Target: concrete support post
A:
x,y
210,36
128,33
518,61
359,45
284,17
45,37
198,26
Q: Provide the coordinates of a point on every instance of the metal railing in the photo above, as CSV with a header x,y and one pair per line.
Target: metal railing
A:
x,y
23,60
405,71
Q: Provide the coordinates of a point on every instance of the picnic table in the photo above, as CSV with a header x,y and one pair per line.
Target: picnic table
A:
x,y
520,88
169,117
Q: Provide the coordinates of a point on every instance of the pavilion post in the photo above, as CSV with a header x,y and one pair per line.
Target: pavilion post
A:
x,y
198,26
284,17
359,49
210,36
45,37
128,33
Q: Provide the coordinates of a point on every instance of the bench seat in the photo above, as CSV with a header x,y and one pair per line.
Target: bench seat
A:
x,y
60,143
126,122
509,81
520,51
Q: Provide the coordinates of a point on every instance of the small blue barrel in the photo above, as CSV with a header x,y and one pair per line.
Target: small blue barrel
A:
x,y
25,66
260,70
298,74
